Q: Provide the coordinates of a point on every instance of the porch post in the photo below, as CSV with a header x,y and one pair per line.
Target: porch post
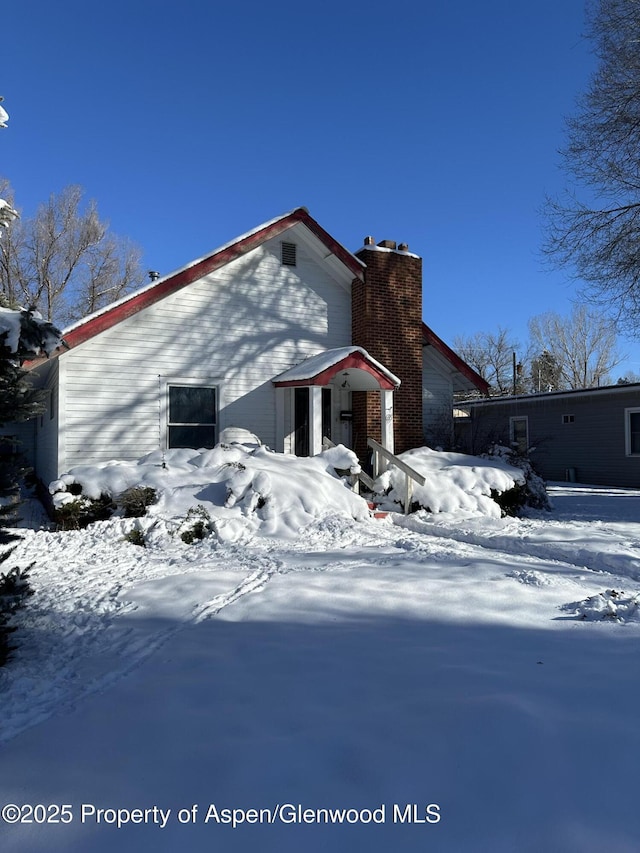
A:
x,y
386,414
315,420
280,392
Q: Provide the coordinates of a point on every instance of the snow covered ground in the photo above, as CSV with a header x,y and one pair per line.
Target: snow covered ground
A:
x,y
449,682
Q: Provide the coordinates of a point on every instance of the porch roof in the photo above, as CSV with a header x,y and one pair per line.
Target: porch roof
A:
x,y
362,371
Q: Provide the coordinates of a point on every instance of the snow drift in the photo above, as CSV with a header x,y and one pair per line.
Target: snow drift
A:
x,y
455,482
243,490
240,490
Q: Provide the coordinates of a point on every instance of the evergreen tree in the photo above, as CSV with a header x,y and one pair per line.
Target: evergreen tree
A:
x,y
546,372
23,335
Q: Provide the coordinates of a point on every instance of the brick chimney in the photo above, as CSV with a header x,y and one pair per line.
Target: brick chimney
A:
x,y
386,319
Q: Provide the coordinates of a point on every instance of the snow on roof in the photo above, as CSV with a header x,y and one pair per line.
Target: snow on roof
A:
x,y
155,290
317,364
370,248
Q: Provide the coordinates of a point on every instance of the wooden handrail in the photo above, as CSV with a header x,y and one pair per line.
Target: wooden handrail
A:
x,y
378,450
407,469
410,474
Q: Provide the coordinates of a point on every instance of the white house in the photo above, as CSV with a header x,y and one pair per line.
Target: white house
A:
x,y
282,332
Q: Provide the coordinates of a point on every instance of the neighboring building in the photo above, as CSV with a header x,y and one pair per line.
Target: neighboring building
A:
x,y
590,436
282,333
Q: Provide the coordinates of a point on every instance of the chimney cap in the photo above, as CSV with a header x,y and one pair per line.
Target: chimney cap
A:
x,y
403,247
369,241
387,244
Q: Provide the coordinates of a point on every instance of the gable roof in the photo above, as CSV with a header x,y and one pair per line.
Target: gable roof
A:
x,y
429,338
129,305
321,368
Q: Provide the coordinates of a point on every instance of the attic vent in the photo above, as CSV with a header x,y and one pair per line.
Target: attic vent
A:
x,y
288,254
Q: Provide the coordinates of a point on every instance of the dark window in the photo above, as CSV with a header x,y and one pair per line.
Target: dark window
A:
x,y
568,419
289,254
192,418
634,432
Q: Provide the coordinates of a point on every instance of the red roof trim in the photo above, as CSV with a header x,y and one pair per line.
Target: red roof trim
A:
x,y
111,316
355,360
349,260
430,338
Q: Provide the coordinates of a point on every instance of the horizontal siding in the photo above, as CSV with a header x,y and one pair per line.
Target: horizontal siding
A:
x,y
46,428
241,325
593,445
437,402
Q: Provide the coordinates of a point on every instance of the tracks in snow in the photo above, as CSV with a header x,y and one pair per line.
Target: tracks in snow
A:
x,y
77,639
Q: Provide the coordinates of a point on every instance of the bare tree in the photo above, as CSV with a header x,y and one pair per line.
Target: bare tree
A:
x,y
598,235
492,356
582,346
64,260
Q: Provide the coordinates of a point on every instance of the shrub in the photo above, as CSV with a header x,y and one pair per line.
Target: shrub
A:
x,y
80,512
511,501
196,526
134,501
531,493
135,537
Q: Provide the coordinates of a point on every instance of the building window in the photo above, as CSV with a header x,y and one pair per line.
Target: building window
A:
x,y
568,419
632,431
288,256
192,416
519,433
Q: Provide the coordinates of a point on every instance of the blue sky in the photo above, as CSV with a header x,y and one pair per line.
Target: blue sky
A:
x,y
432,123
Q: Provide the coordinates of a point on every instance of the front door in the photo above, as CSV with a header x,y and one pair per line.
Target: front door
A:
x,y
301,421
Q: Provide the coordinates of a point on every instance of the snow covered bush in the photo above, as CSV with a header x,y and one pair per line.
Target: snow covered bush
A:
x,y
134,501
455,482
531,492
79,511
135,536
245,489
196,526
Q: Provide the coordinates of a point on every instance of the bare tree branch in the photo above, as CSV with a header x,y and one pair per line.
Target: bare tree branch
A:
x,y
65,261
599,238
581,347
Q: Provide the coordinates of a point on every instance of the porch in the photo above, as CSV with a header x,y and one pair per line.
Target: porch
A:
x,y
314,400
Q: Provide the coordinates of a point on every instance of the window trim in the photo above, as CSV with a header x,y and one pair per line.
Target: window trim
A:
x,y
193,382
633,410
512,438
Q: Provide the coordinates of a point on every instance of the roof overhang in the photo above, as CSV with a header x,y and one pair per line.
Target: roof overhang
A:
x,y
543,397
465,378
334,254
359,370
